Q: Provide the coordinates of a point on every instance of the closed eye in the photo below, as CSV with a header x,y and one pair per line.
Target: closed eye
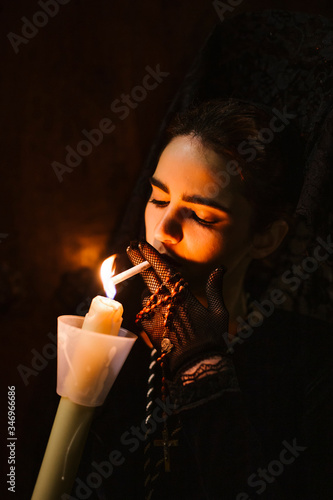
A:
x,y
186,212
159,203
203,222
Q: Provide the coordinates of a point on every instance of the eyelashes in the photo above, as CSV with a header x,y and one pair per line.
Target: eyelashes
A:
x,y
186,212
203,222
159,203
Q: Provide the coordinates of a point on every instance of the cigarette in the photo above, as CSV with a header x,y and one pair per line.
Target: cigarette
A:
x,y
125,275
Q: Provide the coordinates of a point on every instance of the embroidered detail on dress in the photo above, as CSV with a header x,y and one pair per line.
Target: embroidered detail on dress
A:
x,y
203,370
208,382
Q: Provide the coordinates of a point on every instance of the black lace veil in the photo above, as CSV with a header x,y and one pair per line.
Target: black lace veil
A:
x,y
282,60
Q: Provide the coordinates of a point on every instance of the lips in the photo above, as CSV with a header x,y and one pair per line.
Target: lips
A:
x,y
169,259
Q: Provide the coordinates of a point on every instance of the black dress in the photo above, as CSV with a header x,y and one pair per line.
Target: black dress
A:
x,y
272,438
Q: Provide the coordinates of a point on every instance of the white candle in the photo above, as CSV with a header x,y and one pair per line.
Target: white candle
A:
x,y
72,421
104,316
90,359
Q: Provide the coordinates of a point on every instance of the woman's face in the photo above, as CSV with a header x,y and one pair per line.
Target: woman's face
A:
x,y
195,216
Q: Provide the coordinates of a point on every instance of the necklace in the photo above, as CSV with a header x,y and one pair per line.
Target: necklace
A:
x,y
166,296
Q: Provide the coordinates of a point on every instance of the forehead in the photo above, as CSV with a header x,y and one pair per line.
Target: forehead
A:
x,y
187,165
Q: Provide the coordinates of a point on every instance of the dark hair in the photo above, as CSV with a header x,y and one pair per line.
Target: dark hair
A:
x,y
268,151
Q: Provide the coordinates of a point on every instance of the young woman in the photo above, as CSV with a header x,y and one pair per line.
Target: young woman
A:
x,y
237,409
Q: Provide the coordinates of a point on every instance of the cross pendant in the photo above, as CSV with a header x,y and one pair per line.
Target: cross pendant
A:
x,y
166,445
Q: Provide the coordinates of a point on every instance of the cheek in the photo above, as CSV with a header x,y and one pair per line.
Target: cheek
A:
x,y
205,245
150,223
214,248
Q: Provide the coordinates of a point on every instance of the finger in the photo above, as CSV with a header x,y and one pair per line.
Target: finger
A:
x,y
162,269
134,253
149,275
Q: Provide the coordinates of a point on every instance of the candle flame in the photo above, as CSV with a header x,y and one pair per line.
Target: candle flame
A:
x,y
107,271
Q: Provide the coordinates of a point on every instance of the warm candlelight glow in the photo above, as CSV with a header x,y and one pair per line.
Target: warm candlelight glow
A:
x,y
107,271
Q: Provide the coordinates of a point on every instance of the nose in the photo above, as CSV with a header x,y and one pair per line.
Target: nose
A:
x,y
169,228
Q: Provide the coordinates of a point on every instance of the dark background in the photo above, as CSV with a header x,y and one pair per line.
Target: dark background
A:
x,y
54,235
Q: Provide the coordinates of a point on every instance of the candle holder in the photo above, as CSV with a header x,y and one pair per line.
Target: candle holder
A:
x,y
89,362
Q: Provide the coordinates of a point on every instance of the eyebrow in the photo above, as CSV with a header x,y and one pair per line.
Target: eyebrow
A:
x,y
159,184
195,199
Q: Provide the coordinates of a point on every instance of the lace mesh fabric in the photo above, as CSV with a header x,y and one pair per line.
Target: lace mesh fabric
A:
x,y
176,322
181,330
283,60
